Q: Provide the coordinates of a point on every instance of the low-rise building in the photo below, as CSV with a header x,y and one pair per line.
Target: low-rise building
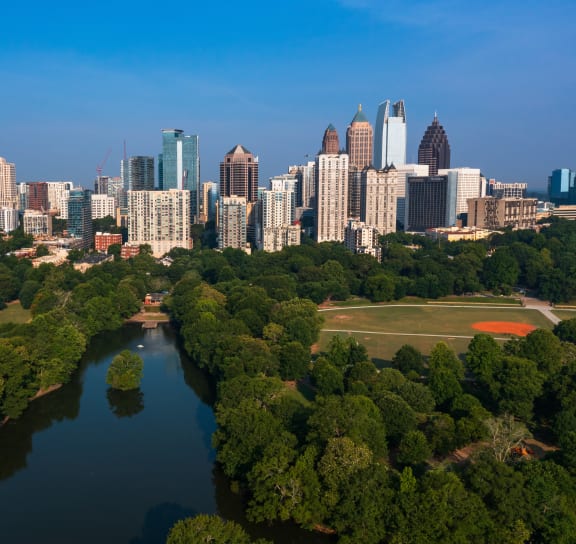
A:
x,y
498,213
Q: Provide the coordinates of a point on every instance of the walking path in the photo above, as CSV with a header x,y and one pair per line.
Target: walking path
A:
x,y
542,306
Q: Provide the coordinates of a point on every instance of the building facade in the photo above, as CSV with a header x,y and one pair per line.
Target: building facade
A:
x,y
103,240
179,165
434,148
430,203
562,186
403,172
209,201
38,196
306,186
80,216
137,173
278,214
8,192
362,238
58,194
390,135
37,223
160,219
499,213
232,222
469,184
378,207
103,206
498,189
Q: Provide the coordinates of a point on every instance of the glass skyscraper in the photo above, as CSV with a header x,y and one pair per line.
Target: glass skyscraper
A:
x,y
80,216
179,165
390,135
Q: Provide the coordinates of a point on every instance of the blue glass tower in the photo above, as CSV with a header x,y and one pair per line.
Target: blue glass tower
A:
x,y
179,165
562,186
80,216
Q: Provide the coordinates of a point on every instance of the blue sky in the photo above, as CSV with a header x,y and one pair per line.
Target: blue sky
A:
x,y
80,78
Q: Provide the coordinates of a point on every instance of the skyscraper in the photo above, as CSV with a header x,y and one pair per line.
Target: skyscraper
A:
x,y
378,207
390,135
80,216
430,203
209,200
278,209
137,173
469,184
434,148
160,219
331,190
330,142
179,165
239,174
305,188
562,186
359,137
232,222
8,192
38,196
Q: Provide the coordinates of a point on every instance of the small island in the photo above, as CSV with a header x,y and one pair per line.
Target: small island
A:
x,y
125,371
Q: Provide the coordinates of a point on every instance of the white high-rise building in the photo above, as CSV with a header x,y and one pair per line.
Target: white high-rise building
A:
x,y
278,210
390,135
378,199
403,172
8,219
58,195
103,206
160,219
37,223
306,188
8,191
331,196
469,184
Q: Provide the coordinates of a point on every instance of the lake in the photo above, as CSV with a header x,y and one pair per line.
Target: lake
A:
x,y
91,465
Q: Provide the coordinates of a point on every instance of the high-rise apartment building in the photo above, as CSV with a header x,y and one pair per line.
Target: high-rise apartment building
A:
x,y
137,173
390,135
430,203
306,187
37,223
378,207
179,165
331,190
160,219
80,216
208,201
8,192
101,185
361,238
8,219
232,224
278,210
434,148
58,194
469,184
103,206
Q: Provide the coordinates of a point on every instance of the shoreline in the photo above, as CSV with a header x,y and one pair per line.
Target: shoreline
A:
x,y
40,393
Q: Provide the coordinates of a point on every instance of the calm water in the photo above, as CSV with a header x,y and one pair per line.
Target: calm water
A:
x,y
89,465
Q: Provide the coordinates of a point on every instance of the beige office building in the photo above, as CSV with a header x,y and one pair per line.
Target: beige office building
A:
x,y
378,207
498,213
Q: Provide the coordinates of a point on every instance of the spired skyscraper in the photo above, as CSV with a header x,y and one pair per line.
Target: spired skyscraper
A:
x,y
359,136
434,148
179,165
390,135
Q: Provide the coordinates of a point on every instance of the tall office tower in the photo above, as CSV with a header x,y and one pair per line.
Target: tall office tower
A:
x,y
498,213
378,207
22,191
331,192
58,193
8,192
179,165
469,184
137,173
38,196
434,148
117,191
330,142
359,137
103,206
209,200
404,171
305,189
390,135
232,226
430,203
498,189
562,186
80,216
101,185
278,210
239,174
160,219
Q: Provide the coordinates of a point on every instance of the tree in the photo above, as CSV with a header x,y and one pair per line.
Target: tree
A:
x,y
408,359
125,371
413,449
566,330
482,357
504,434
210,529
327,378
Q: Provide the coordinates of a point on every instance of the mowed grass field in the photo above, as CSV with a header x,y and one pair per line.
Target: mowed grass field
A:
x,y
384,329
14,313
565,314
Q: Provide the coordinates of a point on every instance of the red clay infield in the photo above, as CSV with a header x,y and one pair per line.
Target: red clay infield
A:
x,y
504,327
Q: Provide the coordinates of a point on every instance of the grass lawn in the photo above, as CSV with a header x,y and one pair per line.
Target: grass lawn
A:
x,y
403,323
565,314
14,313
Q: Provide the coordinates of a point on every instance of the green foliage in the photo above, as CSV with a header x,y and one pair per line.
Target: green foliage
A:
x,y
413,449
28,292
16,379
408,359
327,378
566,330
125,371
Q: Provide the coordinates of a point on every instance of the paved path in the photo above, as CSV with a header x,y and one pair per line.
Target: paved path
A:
x,y
542,306
408,334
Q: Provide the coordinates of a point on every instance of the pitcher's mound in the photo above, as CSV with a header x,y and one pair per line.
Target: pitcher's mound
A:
x,y
504,327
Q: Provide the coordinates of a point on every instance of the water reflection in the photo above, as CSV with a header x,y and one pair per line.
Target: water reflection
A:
x,y
158,522
125,403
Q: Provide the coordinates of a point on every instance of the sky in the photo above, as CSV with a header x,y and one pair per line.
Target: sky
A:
x,y
81,78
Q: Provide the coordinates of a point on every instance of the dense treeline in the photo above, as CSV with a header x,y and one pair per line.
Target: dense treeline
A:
x,y
365,452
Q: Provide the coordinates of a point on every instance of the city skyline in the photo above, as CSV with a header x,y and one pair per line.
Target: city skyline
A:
x,y
504,97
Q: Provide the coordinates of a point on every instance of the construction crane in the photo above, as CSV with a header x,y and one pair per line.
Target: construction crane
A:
x,y
102,163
